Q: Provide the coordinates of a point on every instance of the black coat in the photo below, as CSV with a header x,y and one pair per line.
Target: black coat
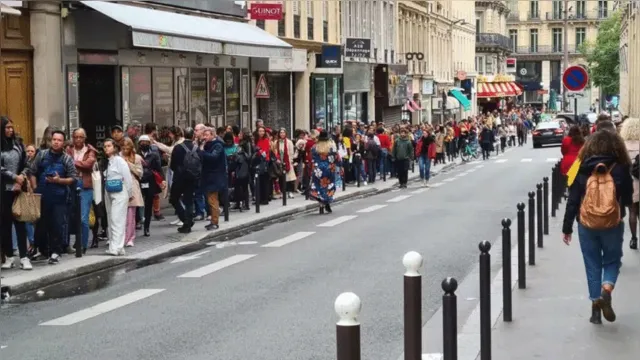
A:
x,y
152,163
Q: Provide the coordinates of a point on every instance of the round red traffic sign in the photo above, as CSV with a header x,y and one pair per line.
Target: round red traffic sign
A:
x,y
575,78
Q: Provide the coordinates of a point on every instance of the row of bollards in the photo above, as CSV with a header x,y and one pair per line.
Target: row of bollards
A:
x,y
348,305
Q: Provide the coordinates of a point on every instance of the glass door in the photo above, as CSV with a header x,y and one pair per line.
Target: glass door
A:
x,y
319,106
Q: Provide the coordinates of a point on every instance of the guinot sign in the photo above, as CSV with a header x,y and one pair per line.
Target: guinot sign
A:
x,y
261,11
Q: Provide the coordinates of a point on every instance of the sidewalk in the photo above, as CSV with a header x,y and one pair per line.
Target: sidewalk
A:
x,y
165,241
551,317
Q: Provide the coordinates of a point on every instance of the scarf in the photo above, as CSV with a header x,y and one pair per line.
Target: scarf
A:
x,y
285,156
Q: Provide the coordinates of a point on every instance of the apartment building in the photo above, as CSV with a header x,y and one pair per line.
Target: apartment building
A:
x,y
436,43
495,88
630,58
537,30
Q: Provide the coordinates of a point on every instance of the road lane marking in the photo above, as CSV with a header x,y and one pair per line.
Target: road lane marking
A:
x,y
372,208
552,159
462,174
434,356
419,191
338,221
526,160
436,185
499,161
289,239
475,162
219,265
449,179
479,167
470,171
184,258
399,198
102,308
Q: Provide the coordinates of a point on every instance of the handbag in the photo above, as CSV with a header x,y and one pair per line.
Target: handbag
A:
x,y
96,179
92,217
26,206
113,185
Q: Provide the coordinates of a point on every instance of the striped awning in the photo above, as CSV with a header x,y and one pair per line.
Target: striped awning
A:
x,y
498,89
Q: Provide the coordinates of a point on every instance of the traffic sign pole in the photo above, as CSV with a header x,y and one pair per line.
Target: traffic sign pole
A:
x,y
575,78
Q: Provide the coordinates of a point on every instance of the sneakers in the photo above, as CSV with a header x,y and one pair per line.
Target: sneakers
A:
x,y
25,264
211,227
633,244
365,183
177,222
8,263
54,259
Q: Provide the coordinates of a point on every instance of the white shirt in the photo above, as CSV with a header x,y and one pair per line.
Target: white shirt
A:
x,y
119,170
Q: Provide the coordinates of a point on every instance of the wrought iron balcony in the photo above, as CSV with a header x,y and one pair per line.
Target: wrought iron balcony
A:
x,y
545,50
555,16
494,40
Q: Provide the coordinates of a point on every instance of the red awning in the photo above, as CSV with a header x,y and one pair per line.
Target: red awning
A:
x,y
498,89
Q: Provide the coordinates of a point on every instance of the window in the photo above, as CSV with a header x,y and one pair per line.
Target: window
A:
x,y
325,21
513,36
309,28
534,10
533,40
557,10
557,40
281,25
603,9
260,24
581,9
480,64
478,25
581,35
296,19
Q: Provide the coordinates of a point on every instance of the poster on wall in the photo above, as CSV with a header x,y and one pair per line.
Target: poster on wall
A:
x,y
198,85
232,83
140,95
163,96
397,85
216,96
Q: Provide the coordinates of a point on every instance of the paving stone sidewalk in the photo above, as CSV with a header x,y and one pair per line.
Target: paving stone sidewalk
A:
x,y
551,317
165,241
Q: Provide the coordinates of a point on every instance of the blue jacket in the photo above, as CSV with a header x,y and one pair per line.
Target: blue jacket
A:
x,y
214,167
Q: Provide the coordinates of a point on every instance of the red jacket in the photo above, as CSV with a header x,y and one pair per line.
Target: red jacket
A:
x,y
385,141
570,152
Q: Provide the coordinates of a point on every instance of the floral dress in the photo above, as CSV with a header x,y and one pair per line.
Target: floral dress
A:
x,y
323,177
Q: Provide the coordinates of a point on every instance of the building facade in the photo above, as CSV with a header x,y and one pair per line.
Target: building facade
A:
x,y
495,88
630,59
436,42
537,32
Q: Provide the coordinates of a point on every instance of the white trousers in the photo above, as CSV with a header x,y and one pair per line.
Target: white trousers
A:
x,y
117,205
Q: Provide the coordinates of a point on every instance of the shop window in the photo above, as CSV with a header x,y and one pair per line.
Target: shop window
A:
x,y
232,85
140,95
198,85
216,96
163,96
319,101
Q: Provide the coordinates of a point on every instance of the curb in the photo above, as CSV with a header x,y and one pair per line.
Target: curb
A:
x,y
182,247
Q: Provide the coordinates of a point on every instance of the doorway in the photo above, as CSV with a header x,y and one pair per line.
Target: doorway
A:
x,y
97,101
16,92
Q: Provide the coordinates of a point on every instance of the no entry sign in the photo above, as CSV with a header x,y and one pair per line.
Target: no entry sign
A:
x,y
575,78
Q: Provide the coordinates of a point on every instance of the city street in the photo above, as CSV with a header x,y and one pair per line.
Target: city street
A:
x,y
269,295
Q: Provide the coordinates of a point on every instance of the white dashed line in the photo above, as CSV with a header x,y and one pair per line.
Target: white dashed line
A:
x,y
449,180
462,174
475,162
470,171
102,308
219,265
499,161
338,221
419,191
436,185
372,208
526,160
399,198
479,166
289,239
552,159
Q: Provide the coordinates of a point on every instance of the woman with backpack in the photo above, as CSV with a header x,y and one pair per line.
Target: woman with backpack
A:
x,y
630,133
598,196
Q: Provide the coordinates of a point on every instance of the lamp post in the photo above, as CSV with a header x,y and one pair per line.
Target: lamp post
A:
x,y
565,64
460,22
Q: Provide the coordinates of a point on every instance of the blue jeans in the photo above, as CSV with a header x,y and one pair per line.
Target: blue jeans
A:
x,y
198,203
30,232
602,254
384,162
86,199
424,163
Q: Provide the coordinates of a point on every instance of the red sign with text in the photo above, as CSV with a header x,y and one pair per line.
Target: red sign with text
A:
x,y
266,11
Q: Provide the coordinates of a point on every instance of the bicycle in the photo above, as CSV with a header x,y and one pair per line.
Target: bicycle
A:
x,y
468,152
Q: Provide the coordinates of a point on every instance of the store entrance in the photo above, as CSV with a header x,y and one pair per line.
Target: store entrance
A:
x,y
97,101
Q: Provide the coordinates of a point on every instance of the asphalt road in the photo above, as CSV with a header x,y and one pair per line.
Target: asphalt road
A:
x,y
278,304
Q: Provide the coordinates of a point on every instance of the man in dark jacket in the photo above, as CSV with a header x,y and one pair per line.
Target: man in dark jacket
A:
x,y
184,183
214,174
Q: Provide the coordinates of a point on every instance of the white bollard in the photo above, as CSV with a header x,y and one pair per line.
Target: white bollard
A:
x,y
348,306
412,261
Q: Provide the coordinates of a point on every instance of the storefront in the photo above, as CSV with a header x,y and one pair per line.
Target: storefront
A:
x,y
392,93
496,92
326,89
357,83
168,80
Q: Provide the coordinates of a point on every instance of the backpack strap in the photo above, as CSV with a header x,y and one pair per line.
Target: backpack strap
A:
x,y
611,168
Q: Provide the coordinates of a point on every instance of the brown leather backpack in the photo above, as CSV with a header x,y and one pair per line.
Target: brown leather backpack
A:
x,y
600,208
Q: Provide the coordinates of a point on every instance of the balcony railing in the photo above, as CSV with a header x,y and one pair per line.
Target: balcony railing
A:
x,y
545,50
555,16
533,16
493,39
577,15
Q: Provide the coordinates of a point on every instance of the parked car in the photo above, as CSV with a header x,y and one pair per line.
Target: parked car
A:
x,y
587,118
547,133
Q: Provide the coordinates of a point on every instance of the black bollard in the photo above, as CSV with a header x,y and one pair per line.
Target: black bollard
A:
x,y
358,161
225,206
485,300
78,203
412,261
256,190
532,228
344,179
554,187
449,319
413,166
384,169
507,314
283,188
539,215
545,202
348,307
522,269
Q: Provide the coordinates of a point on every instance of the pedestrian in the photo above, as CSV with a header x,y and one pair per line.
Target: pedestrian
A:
x,y
325,157
186,166
285,152
571,145
440,136
243,170
358,152
134,162
402,154
214,174
422,153
486,142
630,133
502,134
598,196
373,152
118,186
12,181
261,163
152,181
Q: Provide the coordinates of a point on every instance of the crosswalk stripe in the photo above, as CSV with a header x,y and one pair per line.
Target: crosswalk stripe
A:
x,y
372,208
289,239
526,160
219,265
552,159
338,221
499,161
399,198
102,308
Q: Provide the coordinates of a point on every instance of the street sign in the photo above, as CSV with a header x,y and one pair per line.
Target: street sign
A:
x,y
575,78
579,94
262,90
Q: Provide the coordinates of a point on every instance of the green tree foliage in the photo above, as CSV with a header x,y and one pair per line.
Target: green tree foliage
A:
x,y
603,57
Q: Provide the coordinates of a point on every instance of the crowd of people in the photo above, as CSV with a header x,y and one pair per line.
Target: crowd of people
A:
x,y
601,167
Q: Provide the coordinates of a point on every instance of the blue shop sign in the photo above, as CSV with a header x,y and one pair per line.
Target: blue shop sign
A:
x,y
331,56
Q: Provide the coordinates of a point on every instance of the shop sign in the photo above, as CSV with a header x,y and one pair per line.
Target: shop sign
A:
x,y
427,87
260,11
331,56
262,90
297,63
511,65
495,78
357,48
